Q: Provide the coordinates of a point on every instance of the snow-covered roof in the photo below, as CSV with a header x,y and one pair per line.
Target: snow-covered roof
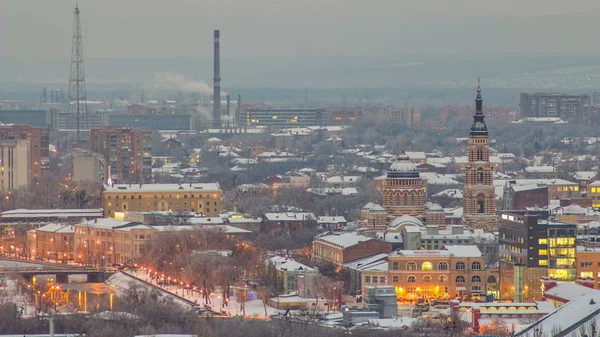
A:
x,y
539,169
463,250
110,223
584,175
226,228
51,213
342,179
131,188
569,291
365,262
56,228
344,240
567,320
373,207
450,193
456,212
406,220
290,216
205,221
439,179
289,264
331,219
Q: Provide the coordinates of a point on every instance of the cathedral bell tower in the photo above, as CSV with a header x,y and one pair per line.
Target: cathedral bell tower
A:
x,y
479,209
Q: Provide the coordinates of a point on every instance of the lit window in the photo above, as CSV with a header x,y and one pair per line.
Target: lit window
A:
x,y
543,262
427,266
543,252
543,241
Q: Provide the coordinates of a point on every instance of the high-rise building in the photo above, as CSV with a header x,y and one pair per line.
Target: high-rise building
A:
x,y
14,164
127,153
89,166
479,192
404,192
533,246
38,146
568,107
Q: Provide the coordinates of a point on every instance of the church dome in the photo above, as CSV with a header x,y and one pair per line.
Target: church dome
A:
x,y
402,167
405,220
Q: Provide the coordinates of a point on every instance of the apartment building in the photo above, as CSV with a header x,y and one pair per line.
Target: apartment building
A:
x,y
127,153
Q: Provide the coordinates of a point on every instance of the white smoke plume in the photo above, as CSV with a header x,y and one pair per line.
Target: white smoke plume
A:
x,y
169,81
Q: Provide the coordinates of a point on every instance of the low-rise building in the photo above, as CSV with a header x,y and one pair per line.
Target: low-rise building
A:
x,y
54,241
342,248
289,270
373,216
454,271
288,222
588,264
202,199
106,241
331,222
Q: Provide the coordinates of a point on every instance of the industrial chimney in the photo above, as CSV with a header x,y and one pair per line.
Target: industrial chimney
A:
x,y
217,84
238,112
228,104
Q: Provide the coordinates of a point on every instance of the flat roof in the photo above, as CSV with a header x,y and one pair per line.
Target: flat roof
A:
x,y
48,213
129,188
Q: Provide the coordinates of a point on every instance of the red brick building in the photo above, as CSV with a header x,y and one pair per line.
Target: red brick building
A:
x,y
341,248
529,196
479,193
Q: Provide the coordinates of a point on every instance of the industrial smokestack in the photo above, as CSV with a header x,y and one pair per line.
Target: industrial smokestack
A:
x,y
228,105
217,84
238,113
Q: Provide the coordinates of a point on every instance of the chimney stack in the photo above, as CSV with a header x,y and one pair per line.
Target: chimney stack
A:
x,y
228,104
238,113
217,83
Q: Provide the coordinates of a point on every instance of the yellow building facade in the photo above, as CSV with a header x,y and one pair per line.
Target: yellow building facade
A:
x,y
202,199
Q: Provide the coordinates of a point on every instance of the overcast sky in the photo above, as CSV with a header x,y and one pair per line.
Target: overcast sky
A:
x,y
183,28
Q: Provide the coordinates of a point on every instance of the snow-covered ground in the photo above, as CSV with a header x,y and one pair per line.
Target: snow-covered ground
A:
x,y
10,294
122,280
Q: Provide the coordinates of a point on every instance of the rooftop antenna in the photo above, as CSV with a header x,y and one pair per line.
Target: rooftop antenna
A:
x,y
77,91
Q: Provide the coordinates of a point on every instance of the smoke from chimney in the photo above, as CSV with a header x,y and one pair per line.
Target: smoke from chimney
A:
x,y
217,82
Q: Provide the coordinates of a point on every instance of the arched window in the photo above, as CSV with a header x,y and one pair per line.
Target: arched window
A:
x,y
460,279
442,266
479,155
491,279
411,266
480,176
443,279
427,279
405,199
411,279
476,266
460,266
412,199
476,279
427,266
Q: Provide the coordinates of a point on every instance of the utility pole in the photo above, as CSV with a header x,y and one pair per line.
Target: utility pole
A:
x,y
77,91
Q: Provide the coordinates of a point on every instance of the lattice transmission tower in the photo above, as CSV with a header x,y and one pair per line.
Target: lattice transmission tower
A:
x,y
77,91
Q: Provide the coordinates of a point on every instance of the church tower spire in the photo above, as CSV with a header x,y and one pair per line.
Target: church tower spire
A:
x,y
479,207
